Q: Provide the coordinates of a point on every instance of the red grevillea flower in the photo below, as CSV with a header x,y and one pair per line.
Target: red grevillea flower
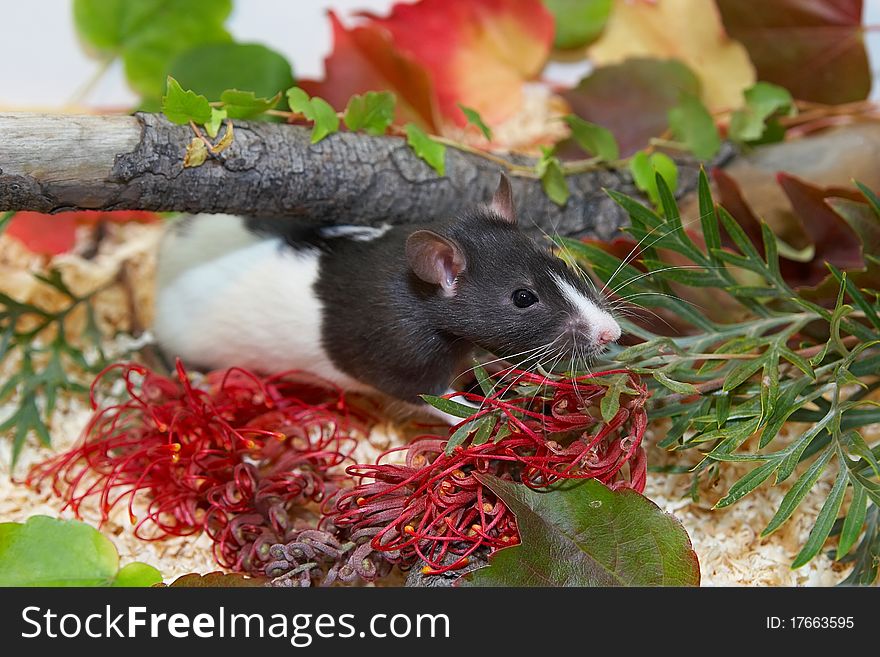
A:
x,y
233,456
432,508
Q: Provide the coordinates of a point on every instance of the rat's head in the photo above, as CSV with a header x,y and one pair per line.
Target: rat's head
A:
x,y
497,288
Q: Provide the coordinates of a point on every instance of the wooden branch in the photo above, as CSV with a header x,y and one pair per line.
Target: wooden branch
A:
x,y
51,163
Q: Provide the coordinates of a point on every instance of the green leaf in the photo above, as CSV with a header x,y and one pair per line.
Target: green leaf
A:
x,y
553,179
181,106
578,22
593,138
763,101
852,524
449,406
149,34
748,483
213,68
212,127
432,152
708,218
583,534
485,426
372,113
610,403
798,491
824,521
681,387
245,104
644,170
483,379
692,124
474,118
48,552
317,110
137,574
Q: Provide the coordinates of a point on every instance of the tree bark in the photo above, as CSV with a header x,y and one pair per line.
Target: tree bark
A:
x,y
55,163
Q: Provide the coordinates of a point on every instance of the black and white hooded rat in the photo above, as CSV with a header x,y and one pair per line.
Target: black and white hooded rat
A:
x,y
395,309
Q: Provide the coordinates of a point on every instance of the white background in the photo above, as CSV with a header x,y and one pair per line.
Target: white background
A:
x,y
42,65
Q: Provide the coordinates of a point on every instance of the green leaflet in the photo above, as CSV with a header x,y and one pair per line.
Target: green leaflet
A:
x,y
29,556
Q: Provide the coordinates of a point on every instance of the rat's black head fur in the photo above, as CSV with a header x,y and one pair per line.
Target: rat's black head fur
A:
x,y
498,289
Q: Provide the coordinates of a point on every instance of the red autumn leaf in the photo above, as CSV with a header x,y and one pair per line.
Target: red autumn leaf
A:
x,y
48,234
51,234
632,99
364,59
833,239
479,52
813,48
836,242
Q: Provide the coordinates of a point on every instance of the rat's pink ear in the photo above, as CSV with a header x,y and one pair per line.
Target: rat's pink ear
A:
x,y
502,202
435,259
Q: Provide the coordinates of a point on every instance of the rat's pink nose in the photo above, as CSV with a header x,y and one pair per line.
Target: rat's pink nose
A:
x,y
605,336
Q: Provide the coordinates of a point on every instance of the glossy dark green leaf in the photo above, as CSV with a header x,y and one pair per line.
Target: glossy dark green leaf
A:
x,y
583,534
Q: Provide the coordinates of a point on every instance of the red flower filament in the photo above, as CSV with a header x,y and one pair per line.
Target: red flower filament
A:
x,y
231,457
434,508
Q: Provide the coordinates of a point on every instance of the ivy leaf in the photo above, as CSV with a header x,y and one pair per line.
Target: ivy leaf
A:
x,y
317,110
182,106
645,168
217,117
213,68
764,101
373,112
246,104
594,139
692,124
584,534
474,118
553,179
147,35
48,552
578,23
432,152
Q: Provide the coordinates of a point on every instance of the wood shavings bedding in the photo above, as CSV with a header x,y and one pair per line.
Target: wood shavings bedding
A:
x,y
727,541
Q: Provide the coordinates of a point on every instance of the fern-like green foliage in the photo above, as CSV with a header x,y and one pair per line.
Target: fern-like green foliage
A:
x,y
790,359
40,359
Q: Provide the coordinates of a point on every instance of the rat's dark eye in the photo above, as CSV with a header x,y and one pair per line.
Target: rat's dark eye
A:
x,y
524,298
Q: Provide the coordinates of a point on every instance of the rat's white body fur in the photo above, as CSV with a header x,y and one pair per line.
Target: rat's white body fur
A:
x,y
228,297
